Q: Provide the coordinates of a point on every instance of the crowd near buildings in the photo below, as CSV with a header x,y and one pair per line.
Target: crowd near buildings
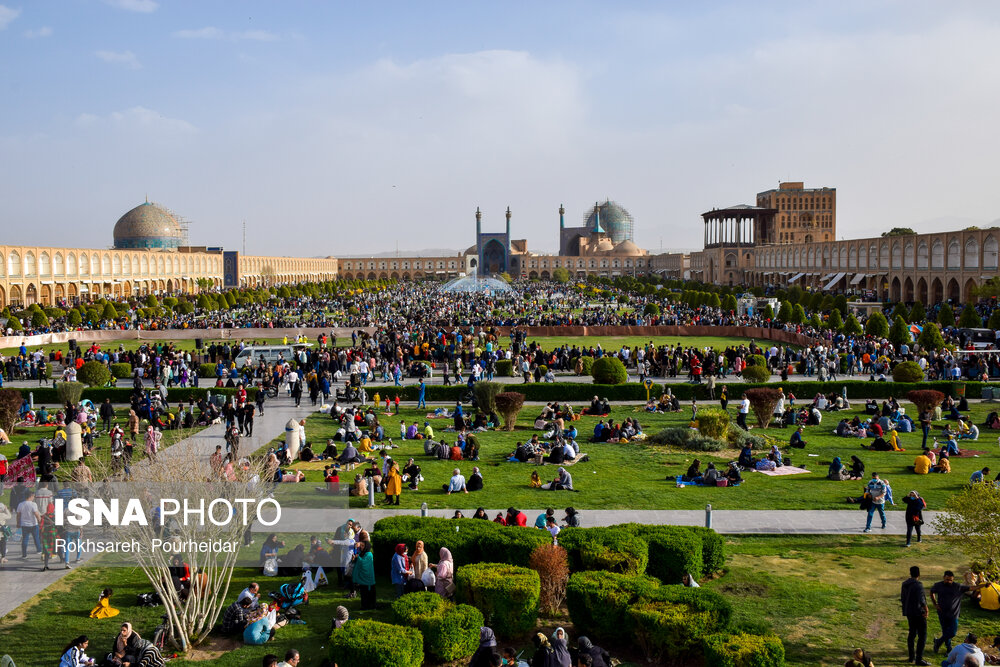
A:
x,y
788,237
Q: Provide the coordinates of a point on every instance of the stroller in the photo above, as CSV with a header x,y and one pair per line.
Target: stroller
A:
x,y
289,596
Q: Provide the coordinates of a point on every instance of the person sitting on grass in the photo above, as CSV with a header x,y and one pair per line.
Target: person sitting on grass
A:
x,y
564,482
733,475
693,473
74,655
943,464
104,608
921,464
535,482
457,483
966,653
475,482
859,659
837,472
746,460
796,440
712,476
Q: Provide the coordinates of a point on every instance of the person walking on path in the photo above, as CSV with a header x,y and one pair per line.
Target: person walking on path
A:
x,y
876,489
947,598
915,506
914,602
741,419
420,396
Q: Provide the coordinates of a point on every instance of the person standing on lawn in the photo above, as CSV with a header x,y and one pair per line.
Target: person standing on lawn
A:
x,y
915,506
877,489
947,598
914,602
741,419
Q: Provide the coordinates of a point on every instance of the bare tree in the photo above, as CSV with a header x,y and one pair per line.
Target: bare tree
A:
x,y
219,512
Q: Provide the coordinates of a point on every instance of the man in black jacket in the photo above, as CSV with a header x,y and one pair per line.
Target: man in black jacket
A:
x,y
107,412
914,602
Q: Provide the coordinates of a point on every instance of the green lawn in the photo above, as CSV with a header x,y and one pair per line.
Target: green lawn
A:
x,y
132,344
641,476
823,595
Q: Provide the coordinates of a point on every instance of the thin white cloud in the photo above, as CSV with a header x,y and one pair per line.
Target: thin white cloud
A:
x,y
136,118
123,58
44,31
140,6
211,32
7,15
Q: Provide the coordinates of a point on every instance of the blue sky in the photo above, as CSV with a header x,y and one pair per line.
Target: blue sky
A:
x,y
340,129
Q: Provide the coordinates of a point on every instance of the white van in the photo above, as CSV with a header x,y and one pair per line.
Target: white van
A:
x,y
270,353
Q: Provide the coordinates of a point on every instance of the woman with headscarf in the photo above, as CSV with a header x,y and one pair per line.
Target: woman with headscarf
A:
x,y
133,425
50,535
598,656
475,482
132,649
363,574
341,549
340,617
418,560
857,468
393,484
837,472
445,573
153,438
560,651
687,580
483,657
400,569
776,456
543,651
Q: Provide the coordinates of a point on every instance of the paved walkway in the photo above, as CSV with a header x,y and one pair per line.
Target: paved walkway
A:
x,y
753,522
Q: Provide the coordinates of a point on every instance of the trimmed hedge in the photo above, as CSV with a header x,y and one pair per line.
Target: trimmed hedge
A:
x,y
713,549
667,621
362,642
94,374
608,549
206,370
609,370
121,371
507,595
743,650
673,550
121,395
633,391
505,368
449,632
475,541
454,634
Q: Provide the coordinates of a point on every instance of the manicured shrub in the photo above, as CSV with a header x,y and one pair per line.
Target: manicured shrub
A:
x,y
673,621
486,393
70,392
509,404
413,608
609,370
607,549
94,374
686,438
588,365
454,634
743,650
598,602
121,370
713,549
762,402
507,595
714,423
925,399
551,562
756,360
673,551
756,374
206,370
505,368
363,642
907,371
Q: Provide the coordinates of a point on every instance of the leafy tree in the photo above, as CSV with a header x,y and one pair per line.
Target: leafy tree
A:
x,y
152,301
994,322
877,325
798,314
989,288
714,301
230,299
651,309
73,318
971,522
917,313
109,312
560,275
795,294
930,338
729,303
946,318
768,312
969,318
204,303
851,326
785,312
899,231
284,292
836,322
815,322
840,303
14,324
900,331
39,319
900,309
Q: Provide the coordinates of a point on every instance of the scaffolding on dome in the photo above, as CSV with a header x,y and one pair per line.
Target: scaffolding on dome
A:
x,y
472,282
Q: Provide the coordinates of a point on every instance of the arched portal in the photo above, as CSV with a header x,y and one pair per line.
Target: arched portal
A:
x,y
908,290
968,292
494,257
922,291
895,290
954,292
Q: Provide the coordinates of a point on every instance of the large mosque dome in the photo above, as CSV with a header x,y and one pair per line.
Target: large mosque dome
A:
x,y
615,220
148,226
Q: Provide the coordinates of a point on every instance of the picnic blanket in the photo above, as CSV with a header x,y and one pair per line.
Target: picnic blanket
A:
x,y
566,464
680,482
784,470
